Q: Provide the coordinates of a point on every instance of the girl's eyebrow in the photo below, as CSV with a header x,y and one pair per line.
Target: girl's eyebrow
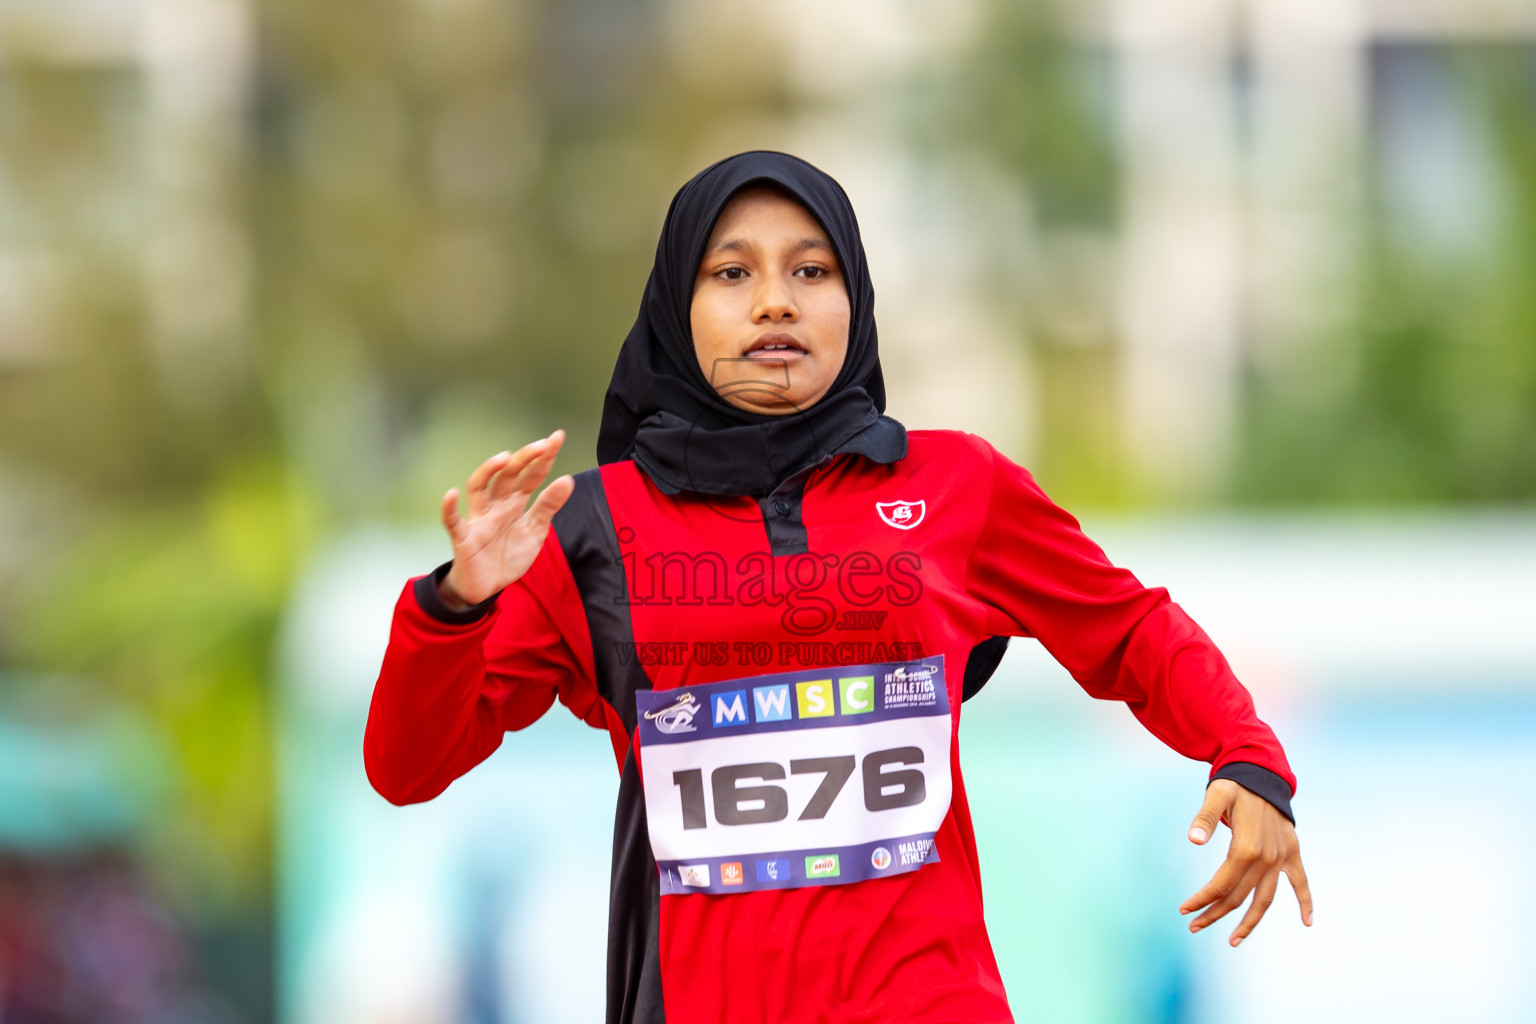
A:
x,y
747,245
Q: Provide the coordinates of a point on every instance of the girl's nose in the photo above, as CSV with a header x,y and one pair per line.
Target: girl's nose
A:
x,y
774,300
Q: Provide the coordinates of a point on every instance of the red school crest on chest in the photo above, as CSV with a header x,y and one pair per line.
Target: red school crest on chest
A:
x,y
902,514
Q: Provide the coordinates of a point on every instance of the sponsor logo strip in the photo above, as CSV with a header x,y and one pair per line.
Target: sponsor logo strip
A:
x,y
802,699
789,869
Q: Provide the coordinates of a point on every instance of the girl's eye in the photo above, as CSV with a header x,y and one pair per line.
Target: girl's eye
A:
x,y
733,273
813,272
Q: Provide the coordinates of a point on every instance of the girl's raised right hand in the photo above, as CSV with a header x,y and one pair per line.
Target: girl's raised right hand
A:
x,y
502,535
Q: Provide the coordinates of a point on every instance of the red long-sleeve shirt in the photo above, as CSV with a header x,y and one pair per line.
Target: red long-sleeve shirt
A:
x,y
854,562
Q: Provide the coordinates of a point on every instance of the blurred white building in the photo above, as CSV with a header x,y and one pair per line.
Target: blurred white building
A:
x,y
123,140
138,159
1244,126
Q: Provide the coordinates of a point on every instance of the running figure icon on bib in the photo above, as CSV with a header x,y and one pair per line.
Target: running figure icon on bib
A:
x,y
812,777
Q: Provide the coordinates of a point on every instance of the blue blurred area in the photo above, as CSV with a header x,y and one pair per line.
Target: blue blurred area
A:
x,y
76,769
1420,842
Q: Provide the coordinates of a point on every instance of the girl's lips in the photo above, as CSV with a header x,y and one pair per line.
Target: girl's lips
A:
x,y
788,355
776,346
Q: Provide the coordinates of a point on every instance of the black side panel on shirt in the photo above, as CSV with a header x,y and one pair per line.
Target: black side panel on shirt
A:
x,y
984,659
584,527
634,907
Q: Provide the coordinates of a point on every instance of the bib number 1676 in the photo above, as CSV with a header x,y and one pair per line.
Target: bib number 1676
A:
x,y
888,780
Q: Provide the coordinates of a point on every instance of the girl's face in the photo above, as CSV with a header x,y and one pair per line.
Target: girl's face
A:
x,y
770,310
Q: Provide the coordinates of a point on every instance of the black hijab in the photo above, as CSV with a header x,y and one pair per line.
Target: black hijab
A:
x,y
661,411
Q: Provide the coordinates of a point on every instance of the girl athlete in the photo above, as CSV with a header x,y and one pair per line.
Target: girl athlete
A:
x,y
775,598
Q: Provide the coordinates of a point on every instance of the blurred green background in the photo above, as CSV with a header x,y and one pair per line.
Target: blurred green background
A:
x,y
275,274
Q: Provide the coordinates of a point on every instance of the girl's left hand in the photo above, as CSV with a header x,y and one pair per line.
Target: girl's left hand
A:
x,y
1264,844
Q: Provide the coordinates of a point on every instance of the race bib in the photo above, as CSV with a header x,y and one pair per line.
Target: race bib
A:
x,y
811,777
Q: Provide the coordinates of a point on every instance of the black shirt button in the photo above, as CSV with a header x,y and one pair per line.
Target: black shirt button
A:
x,y
781,506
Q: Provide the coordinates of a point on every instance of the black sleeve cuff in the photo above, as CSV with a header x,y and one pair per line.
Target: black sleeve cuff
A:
x,y
432,602
1259,781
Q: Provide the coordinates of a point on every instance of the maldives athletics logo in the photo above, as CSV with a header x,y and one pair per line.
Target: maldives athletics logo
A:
x,y
902,514
677,717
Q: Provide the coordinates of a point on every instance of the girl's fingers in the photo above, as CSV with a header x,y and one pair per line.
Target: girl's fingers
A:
x,y
481,477
1220,886
1298,876
525,477
532,475
522,479
1263,896
1218,803
550,502
1230,901
450,513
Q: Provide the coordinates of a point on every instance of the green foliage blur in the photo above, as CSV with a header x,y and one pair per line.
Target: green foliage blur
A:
x,y
436,220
